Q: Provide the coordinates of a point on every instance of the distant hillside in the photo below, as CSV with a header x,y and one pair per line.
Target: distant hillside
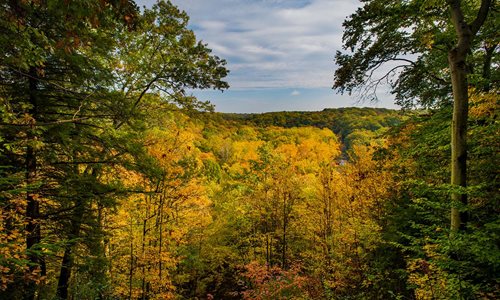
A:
x,y
351,124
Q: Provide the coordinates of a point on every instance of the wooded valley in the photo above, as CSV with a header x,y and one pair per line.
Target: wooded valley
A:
x,y
116,183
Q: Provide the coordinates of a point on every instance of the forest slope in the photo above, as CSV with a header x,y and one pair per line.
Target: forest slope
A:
x,y
351,124
117,184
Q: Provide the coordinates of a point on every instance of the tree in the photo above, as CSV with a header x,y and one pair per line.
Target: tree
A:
x,y
418,159
457,59
73,109
423,50
50,70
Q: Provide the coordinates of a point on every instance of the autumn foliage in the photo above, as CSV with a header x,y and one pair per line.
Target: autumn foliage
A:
x,y
115,183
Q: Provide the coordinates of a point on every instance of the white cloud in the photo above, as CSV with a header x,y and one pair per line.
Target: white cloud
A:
x,y
213,25
272,43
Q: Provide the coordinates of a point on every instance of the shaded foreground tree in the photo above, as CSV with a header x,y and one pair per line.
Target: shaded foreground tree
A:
x,y
457,59
435,265
49,70
426,51
72,113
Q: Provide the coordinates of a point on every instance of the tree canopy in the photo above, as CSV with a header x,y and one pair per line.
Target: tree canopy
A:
x,y
405,44
116,183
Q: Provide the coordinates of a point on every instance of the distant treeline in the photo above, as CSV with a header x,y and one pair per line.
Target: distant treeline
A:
x,y
351,124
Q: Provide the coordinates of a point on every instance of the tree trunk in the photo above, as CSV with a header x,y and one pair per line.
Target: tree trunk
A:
x,y
458,66
283,253
64,274
489,51
459,137
67,261
131,274
143,253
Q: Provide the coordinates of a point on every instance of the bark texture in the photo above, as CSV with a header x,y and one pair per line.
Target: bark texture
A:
x,y
457,59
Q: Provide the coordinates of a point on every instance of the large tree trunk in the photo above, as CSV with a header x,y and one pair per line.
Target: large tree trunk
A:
x,y
458,66
459,137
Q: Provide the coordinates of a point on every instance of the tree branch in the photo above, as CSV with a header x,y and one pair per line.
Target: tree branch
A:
x,y
46,123
481,16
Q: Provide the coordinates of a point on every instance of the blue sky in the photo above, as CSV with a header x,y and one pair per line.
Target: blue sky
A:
x,y
279,52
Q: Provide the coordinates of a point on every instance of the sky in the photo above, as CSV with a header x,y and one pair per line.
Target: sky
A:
x,y
280,53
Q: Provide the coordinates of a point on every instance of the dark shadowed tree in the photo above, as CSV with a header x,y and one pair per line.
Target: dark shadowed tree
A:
x,y
429,52
73,81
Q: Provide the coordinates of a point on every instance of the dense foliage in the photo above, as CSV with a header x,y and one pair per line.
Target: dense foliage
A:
x,y
74,96
352,124
116,184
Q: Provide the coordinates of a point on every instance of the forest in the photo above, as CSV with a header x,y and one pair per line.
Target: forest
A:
x,y
117,183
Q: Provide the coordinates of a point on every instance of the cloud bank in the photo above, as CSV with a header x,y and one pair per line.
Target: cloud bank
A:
x,y
280,53
272,43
